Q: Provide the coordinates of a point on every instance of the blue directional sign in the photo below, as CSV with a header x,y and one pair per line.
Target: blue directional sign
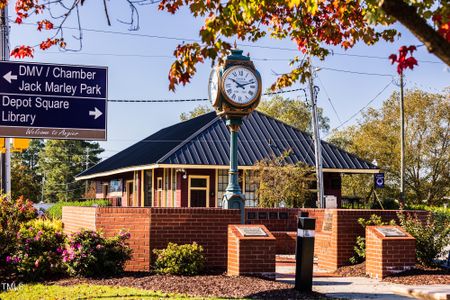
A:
x,y
53,101
379,180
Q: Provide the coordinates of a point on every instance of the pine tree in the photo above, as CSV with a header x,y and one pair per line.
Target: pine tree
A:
x,y
60,161
25,176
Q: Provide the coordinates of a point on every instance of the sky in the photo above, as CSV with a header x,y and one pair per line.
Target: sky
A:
x,y
138,63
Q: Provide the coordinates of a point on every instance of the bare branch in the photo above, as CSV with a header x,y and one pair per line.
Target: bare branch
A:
x,y
106,13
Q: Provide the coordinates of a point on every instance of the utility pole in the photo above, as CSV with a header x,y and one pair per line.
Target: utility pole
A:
x,y
402,143
316,137
4,48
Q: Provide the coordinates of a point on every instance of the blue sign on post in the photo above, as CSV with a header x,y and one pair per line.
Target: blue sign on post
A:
x,y
53,101
379,180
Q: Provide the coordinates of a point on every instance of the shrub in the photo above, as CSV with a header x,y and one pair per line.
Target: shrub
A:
x,y
89,253
177,259
360,248
432,235
12,214
438,211
386,203
55,211
40,244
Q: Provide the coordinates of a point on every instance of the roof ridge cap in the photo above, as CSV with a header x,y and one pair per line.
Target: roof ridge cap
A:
x,y
187,140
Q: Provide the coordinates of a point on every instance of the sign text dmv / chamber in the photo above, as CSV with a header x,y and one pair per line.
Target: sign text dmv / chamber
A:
x,y
53,101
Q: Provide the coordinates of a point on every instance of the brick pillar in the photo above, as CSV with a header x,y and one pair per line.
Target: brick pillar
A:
x,y
387,255
250,254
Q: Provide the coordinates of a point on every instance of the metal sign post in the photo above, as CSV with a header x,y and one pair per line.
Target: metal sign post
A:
x,y
4,48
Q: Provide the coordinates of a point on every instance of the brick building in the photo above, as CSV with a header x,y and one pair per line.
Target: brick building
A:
x,y
186,164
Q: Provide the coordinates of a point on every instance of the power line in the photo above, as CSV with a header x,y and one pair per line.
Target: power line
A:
x,y
189,100
356,72
363,108
329,99
182,39
145,55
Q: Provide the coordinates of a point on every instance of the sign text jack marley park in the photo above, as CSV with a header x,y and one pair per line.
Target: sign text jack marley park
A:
x,y
53,101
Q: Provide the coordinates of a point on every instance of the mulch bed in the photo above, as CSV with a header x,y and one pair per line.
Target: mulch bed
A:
x,y
418,276
358,270
203,286
421,276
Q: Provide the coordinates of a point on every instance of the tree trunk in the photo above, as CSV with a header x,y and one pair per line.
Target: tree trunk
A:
x,y
407,15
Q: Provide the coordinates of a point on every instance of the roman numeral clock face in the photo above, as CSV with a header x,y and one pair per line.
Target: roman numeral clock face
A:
x,y
240,85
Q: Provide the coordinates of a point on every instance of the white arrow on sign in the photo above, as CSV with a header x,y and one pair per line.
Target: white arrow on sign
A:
x,y
96,113
9,76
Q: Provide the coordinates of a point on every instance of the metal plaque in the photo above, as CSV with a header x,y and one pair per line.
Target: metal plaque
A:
x,y
251,215
283,215
252,231
273,215
391,232
53,101
262,215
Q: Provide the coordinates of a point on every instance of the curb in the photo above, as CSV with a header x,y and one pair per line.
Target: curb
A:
x,y
439,292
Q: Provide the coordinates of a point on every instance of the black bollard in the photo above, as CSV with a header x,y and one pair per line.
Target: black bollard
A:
x,y
304,254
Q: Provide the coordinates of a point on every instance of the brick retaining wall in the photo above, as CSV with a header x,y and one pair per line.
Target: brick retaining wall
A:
x,y
206,226
154,228
76,217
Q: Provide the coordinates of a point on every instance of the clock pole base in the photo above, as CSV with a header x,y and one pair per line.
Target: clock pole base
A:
x,y
232,200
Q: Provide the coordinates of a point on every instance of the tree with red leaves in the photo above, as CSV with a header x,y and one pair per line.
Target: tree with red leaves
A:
x,y
402,61
314,26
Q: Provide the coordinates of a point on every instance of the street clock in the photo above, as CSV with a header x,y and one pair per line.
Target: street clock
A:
x,y
235,88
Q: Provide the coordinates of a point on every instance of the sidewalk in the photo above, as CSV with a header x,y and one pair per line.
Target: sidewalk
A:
x,y
361,287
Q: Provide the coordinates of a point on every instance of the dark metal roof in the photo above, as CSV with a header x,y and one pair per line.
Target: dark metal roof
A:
x,y
205,140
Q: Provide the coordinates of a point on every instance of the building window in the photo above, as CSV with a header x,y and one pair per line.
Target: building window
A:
x,y
115,186
198,191
159,191
174,187
166,187
251,187
148,180
222,182
105,189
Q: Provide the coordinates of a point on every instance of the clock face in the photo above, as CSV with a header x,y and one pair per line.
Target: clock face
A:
x,y
240,85
213,86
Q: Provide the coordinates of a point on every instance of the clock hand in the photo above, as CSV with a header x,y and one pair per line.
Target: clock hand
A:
x,y
244,84
238,84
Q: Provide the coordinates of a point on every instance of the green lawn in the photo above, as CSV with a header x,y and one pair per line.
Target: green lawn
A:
x,y
84,291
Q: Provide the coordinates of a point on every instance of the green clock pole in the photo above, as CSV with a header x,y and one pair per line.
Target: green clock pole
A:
x,y
233,198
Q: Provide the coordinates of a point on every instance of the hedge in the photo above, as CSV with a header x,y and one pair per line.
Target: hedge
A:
x,y
56,210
